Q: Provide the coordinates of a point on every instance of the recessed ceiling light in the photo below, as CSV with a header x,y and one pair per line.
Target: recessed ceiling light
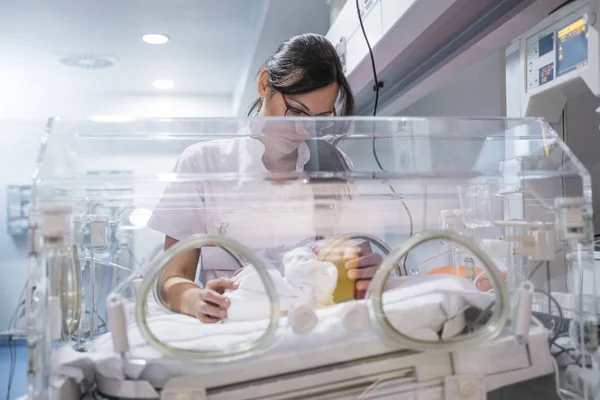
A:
x,y
88,61
155,38
112,118
163,84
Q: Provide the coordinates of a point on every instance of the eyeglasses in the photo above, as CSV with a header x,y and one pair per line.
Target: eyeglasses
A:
x,y
291,111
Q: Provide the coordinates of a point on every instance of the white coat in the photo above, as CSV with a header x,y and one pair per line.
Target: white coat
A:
x,y
260,214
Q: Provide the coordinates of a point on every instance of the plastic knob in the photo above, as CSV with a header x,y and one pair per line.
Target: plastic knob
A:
x,y
355,317
303,319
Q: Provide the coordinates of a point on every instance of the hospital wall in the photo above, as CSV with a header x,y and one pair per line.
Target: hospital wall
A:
x,y
22,123
475,92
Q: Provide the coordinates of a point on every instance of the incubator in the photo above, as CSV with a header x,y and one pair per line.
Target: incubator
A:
x,y
399,260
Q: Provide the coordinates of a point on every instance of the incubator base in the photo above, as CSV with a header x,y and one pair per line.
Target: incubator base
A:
x,y
464,374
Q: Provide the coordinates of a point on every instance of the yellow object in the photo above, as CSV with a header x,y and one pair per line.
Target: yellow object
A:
x,y
344,291
338,254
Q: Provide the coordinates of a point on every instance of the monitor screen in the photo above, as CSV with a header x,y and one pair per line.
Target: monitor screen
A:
x,y
572,47
546,44
546,74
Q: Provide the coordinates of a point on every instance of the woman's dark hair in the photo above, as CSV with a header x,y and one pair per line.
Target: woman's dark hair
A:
x,y
303,64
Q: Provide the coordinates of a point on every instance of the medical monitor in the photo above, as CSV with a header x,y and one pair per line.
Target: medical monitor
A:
x,y
560,58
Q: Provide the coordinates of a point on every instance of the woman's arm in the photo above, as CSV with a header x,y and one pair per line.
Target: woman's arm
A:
x,y
179,291
177,286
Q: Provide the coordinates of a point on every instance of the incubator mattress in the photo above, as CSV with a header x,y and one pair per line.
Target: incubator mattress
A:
x,y
422,307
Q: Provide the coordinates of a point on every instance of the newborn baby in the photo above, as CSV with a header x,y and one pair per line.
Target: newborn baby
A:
x,y
307,281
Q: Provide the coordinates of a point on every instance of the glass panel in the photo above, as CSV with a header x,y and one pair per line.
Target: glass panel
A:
x,y
322,241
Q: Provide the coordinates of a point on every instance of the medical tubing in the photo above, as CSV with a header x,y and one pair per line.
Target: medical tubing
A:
x,y
136,274
107,264
493,328
240,350
374,69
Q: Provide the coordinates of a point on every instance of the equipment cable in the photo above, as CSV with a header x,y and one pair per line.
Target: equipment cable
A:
x,y
375,156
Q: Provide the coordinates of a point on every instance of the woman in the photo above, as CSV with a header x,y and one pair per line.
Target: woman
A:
x,y
304,78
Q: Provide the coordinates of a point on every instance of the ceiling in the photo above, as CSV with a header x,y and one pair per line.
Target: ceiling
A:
x,y
211,42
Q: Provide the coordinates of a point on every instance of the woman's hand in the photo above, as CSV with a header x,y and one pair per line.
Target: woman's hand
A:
x,y
361,264
211,304
359,260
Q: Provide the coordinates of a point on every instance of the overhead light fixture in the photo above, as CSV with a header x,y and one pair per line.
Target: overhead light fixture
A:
x,y
155,38
88,61
112,118
140,217
163,84
167,177
163,136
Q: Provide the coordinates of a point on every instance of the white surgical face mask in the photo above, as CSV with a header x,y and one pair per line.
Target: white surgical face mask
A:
x,y
256,126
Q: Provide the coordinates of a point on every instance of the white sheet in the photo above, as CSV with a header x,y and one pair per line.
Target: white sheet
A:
x,y
417,306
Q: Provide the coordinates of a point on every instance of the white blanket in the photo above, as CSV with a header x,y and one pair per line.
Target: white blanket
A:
x,y
422,307
306,280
